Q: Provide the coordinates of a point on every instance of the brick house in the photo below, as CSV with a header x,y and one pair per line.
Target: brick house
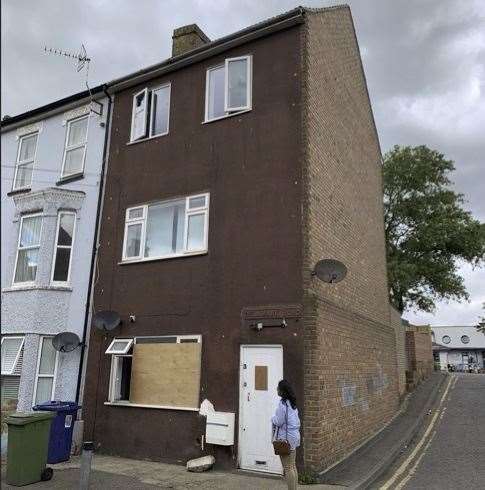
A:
x,y
233,168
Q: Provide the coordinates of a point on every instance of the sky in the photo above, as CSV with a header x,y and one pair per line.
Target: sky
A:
x,y
424,62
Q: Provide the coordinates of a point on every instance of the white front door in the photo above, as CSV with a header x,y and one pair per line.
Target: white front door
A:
x,y
261,370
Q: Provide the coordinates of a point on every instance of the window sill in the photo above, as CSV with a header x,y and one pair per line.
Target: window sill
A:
x,y
18,191
159,407
208,121
167,257
70,178
33,287
141,140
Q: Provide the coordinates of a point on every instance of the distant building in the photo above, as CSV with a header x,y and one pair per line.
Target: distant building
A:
x,y
460,346
52,161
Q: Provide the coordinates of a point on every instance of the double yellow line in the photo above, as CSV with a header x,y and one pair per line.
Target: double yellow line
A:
x,y
425,441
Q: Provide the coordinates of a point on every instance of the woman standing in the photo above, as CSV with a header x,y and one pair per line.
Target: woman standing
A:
x,y
286,425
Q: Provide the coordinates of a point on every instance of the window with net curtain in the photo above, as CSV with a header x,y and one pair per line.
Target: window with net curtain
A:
x,y
28,249
75,150
46,371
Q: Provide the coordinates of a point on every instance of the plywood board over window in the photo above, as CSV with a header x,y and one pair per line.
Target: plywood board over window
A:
x,y
166,374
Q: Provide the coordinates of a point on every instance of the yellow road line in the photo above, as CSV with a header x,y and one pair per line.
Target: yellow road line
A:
x,y
409,459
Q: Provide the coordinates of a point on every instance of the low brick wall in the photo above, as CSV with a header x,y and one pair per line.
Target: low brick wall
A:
x,y
351,386
419,354
400,333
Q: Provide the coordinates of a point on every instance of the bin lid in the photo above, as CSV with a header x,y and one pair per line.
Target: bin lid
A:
x,y
57,406
24,418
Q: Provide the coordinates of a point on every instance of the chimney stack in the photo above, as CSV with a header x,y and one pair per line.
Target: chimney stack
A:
x,y
186,38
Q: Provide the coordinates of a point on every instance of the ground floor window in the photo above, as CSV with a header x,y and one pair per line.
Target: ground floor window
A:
x,y
161,372
12,358
46,371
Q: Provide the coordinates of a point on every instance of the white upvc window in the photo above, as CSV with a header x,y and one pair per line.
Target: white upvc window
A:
x,y
75,147
46,371
228,88
25,161
150,113
61,262
28,249
11,349
167,229
119,346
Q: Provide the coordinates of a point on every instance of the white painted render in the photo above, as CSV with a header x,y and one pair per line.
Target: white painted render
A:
x,y
458,352
42,308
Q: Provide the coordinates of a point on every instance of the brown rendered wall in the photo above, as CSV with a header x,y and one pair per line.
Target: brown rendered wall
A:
x,y
351,387
400,332
249,164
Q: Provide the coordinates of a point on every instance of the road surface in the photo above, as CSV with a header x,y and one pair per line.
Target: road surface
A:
x,y
449,454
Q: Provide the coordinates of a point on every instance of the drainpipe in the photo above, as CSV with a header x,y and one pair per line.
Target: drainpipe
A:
x,y
95,243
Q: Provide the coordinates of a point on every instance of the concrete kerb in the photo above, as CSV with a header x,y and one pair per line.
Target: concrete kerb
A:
x,y
390,456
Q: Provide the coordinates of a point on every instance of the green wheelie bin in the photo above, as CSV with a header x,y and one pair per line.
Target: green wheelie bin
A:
x,y
28,441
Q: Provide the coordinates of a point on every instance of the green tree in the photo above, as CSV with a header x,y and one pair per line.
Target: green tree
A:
x,y
428,232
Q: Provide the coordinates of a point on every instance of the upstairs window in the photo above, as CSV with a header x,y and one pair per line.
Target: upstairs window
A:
x,y
75,149
167,229
150,114
28,249
61,266
25,161
228,88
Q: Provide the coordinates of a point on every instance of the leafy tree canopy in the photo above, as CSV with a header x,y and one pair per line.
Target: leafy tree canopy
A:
x,y
428,232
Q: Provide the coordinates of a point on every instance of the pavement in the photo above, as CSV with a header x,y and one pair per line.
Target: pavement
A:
x,y
449,454
369,462
110,472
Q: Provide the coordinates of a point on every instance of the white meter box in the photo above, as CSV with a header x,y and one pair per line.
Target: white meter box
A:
x,y
220,428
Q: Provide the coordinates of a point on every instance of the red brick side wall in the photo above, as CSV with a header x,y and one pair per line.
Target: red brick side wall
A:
x,y
350,378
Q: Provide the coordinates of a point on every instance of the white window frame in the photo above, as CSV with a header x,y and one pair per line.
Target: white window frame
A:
x,y
38,375
26,248
143,221
230,111
114,365
112,351
19,163
248,59
142,136
57,246
74,147
11,372
152,106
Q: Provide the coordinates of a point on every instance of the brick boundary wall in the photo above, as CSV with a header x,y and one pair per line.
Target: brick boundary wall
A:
x,y
419,353
400,332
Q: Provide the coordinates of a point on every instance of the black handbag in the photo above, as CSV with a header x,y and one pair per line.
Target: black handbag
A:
x,y
282,447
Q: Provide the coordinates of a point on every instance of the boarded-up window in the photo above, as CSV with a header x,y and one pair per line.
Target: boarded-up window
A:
x,y
261,378
166,374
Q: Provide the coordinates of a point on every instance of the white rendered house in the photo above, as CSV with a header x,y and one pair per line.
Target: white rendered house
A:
x,y
459,346
52,173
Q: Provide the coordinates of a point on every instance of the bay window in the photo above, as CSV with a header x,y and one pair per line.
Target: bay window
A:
x,y
46,371
167,229
61,264
12,356
228,88
28,249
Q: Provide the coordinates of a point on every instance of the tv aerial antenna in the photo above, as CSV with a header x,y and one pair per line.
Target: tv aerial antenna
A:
x,y
83,61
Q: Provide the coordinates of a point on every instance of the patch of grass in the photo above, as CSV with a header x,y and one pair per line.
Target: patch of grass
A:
x,y
307,478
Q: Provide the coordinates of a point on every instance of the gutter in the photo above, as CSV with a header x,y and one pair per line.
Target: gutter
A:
x,y
287,20
94,253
